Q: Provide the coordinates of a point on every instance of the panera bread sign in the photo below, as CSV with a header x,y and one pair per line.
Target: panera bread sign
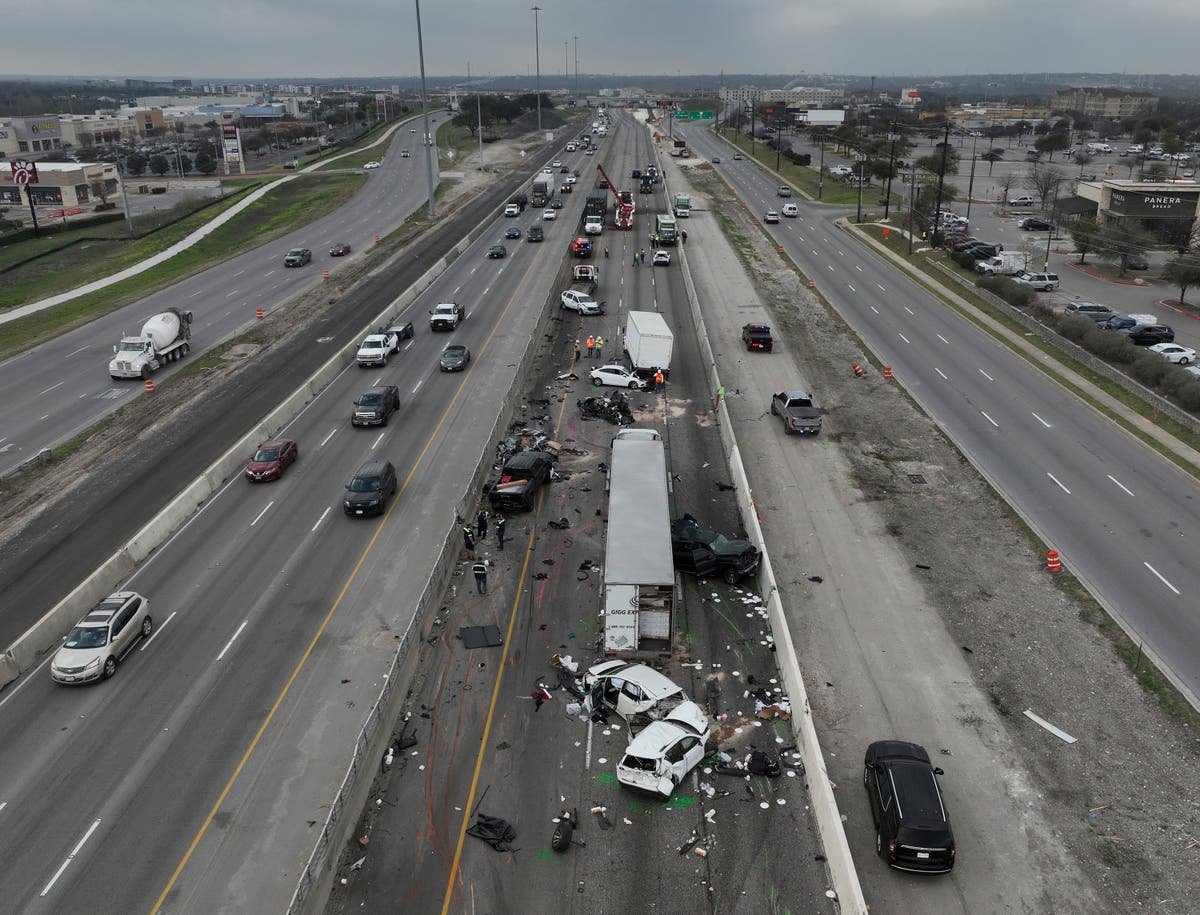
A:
x,y
1125,203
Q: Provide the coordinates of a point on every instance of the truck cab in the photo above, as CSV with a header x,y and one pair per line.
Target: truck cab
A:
x,y
447,316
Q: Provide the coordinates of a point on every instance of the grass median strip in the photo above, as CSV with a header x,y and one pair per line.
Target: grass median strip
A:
x,y
297,202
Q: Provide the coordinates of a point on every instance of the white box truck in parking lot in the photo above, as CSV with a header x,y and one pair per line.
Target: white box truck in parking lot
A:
x,y
648,342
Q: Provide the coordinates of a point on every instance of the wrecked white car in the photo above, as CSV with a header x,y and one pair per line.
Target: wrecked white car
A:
x,y
665,751
637,693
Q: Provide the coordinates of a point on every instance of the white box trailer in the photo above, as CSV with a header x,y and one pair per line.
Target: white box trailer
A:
x,y
639,570
649,342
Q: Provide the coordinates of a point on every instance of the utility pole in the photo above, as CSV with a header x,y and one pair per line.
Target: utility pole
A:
x,y
937,209
537,58
887,197
912,203
427,138
478,117
576,37
971,183
821,170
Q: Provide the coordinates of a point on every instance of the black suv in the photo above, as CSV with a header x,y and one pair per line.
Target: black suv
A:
x,y
1146,334
368,491
912,830
704,552
375,405
534,233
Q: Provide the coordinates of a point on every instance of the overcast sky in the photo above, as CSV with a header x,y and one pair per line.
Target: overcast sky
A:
x,y
267,39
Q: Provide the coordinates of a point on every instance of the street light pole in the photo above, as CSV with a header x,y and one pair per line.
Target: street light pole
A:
x,y
478,117
576,37
537,58
971,183
427,138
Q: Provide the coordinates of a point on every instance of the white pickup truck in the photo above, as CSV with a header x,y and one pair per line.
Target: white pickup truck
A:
x,y
376,349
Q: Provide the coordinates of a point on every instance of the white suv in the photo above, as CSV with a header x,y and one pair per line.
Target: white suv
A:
x,y
1042,281
512,210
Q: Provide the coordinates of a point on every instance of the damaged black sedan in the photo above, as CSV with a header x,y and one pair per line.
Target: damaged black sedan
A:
x,y
705,552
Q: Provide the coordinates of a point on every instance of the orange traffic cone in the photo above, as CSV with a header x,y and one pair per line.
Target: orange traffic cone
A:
x,y
858,369
1053,562
812,284
887,372
149,385
258,313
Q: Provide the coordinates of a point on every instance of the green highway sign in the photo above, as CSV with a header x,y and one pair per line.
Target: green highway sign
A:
x,y
693,115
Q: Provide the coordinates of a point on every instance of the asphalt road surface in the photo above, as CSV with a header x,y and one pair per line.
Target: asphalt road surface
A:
x,y
1126,521
62,387
482,744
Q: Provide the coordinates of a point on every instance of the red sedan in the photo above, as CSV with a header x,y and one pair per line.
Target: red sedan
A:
x,y
271,460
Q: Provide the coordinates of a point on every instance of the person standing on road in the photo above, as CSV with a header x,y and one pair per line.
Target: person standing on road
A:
x,y
606,250
683,235
658,379
480,570
576,359
642,255
591,345
500,525
481,522
468,541
599,347
635,257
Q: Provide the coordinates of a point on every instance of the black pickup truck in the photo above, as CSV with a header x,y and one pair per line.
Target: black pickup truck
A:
x,y
796,410
523,475
758,337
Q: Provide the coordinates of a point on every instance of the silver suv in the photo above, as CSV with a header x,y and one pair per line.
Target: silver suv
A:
x,y
102,639
1042,281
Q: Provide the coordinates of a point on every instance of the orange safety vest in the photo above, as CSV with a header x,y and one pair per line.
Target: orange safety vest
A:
x,y
591,343
658,377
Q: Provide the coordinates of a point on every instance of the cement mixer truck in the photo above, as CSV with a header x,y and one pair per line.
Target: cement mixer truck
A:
x,y
164,338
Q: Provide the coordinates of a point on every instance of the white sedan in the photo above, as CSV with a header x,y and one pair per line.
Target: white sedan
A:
x,y
570,179
617,376
1173,352
549,214
662,754
771,217
557,163
661,259
371,165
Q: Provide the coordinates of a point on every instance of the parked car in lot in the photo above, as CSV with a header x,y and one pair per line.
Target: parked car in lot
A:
x,y
1021,200
912,828
102,639
271,459
297,257
1147,334
1137,262
616,376
1035,224
665,751
1173,352
375,405
341,249
369,489
455,357
1043,281
704,552
1093,310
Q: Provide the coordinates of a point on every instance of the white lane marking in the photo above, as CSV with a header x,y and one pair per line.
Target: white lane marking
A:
x,y
910,311
943,339
858,268
80,350
409,344
458,287
874,309
1042,421
904,338
157,629
46,416
51,388
261,513
239,273
326,439
487,289
319,520
375,444
1118,482
71,857
881,287
852,289
230,295
1160,578
940,372
815,254
418,387
3,804
841,253
1058,482
232,638
268,273
196,293
986,375
990,420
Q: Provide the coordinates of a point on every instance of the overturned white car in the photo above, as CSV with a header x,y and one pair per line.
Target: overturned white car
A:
x,y
637,693
665,751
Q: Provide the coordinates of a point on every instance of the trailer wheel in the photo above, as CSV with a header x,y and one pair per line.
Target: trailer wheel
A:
x,y
184,350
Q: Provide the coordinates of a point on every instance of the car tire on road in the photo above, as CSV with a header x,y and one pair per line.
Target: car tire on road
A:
x,y
147,627
110,667
633,385
730,576
595,382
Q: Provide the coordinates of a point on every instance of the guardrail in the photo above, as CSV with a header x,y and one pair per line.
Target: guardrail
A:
x,y
842,873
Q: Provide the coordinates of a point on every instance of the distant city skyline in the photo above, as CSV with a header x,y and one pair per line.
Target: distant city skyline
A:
x,y
272,39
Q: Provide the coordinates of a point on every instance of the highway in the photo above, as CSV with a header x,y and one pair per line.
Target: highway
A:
x,y
57,389
480,741
1125,521
266,582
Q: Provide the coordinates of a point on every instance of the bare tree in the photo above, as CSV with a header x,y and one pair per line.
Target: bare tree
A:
x,y
1045,181
1184,272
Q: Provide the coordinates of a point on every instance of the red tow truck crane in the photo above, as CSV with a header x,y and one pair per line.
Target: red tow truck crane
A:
x,y
623,218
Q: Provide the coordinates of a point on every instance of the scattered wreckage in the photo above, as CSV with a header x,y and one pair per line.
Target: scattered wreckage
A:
x,y
613,407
